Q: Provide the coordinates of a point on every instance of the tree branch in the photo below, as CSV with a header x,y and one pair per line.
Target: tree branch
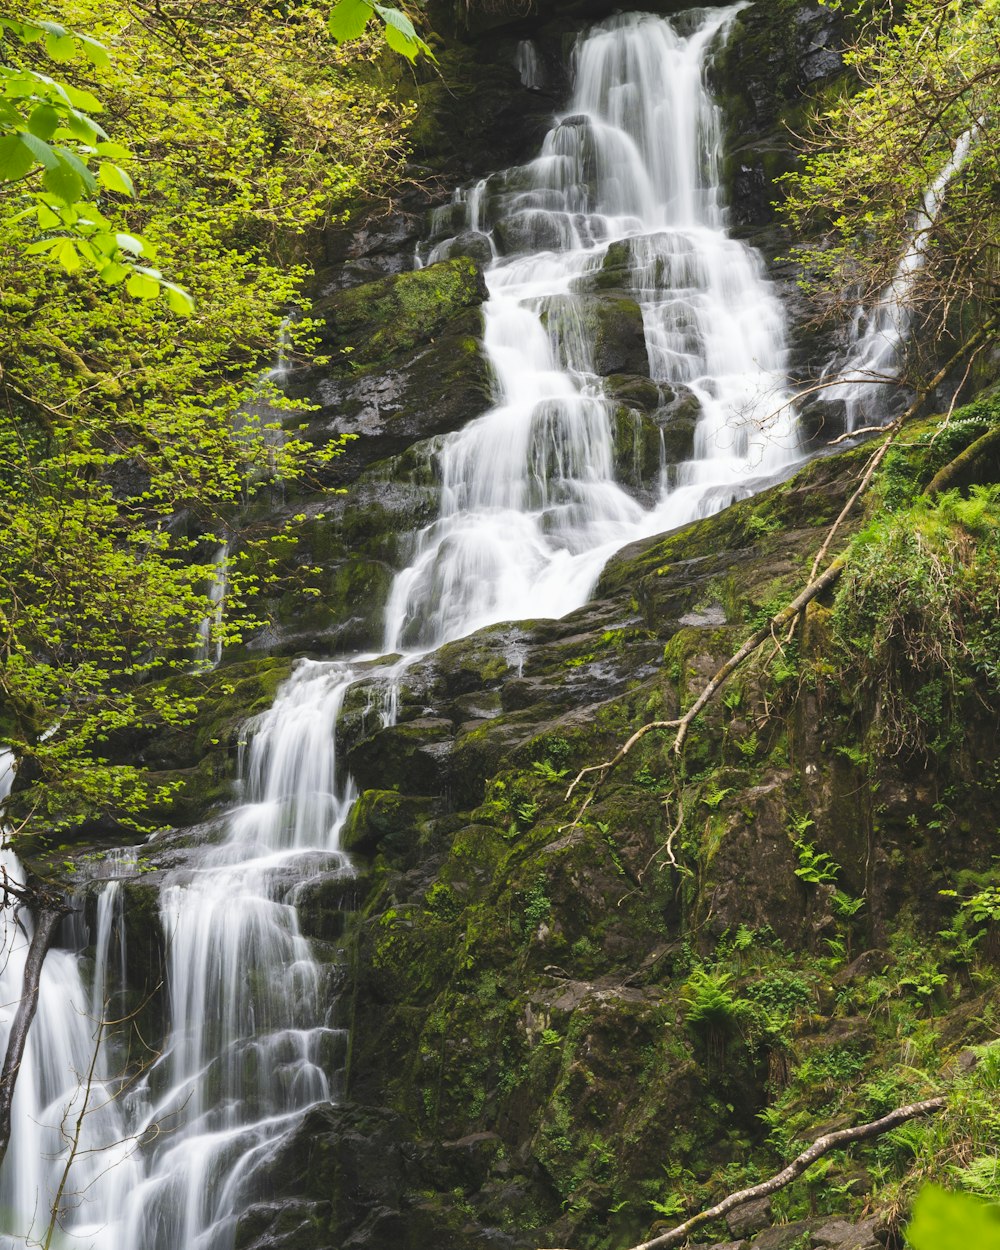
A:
x,y
821,1146
46,923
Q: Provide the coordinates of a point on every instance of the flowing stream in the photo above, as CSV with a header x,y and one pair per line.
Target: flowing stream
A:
x,y
878,335
530,511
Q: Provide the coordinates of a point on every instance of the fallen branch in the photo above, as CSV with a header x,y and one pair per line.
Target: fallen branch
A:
x,y
683,723
821,1146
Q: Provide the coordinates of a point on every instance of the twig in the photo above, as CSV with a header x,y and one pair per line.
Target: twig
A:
x,y
849,434
683,723
821,1146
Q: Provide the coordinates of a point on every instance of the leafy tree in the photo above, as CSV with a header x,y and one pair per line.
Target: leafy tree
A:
x,y
49,148
923,98
129,439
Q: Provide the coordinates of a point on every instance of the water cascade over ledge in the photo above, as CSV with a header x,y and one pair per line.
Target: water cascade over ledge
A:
x,y
530,512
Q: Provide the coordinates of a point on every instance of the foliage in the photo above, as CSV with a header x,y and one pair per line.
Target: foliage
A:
x,y
50,146
950,1221
926,77
915,616
129,440
349,19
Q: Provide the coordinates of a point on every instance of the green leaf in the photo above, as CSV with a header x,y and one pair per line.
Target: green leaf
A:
x,y
64,182
47,219
68,256
60,48
400,34
179,300
348,19
44,121
82,127
40,150
45,245
115,179
15,158
115,272
95,52
83,99
71,159
950,1221
397,20
141,287
114,151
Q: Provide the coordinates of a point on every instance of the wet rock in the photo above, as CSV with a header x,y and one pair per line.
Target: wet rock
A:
x,y
619,340
407,363
782,1236
530,231
469,243
749,1218
383,817
842,1235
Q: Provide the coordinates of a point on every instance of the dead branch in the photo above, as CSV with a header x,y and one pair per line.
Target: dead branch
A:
x,y
893,429
848,435
682,724
821,1146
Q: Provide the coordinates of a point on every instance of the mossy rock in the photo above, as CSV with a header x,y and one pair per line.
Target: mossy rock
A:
x,y
381,321
416,754
384,818
611,325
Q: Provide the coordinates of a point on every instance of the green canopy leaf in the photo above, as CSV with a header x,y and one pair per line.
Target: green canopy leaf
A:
x,y
348,19
64,182
115,179
15,158
950,1221
44,121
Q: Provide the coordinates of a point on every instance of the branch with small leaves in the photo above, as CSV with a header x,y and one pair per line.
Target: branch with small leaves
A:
x,y
57,160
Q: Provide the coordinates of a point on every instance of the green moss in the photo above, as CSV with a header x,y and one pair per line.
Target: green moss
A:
x,y
377,322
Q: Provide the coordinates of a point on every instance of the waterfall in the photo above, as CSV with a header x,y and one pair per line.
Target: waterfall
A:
x,y
208,651
530,511
878,335
65,1101
530,508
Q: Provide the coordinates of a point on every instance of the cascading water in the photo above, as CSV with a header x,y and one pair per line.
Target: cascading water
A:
x,y
530,507
64,1100
878,335
530,511
208,652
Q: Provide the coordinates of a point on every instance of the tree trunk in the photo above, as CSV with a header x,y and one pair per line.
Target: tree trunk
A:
x,y
46,923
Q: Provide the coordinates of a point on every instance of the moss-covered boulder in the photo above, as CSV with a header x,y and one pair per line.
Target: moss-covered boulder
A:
x,y
407,362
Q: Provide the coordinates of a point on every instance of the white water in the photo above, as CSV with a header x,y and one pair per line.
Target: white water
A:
x,y
878,335
208,651
530,512
530,508
64,1098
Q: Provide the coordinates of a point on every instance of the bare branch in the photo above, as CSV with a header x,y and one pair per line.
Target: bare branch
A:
x,y
821,1146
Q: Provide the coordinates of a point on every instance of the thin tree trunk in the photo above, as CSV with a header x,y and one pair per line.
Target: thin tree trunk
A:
x,y
46,923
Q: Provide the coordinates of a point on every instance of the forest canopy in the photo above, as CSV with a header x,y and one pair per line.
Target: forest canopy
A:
x,y
129,435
